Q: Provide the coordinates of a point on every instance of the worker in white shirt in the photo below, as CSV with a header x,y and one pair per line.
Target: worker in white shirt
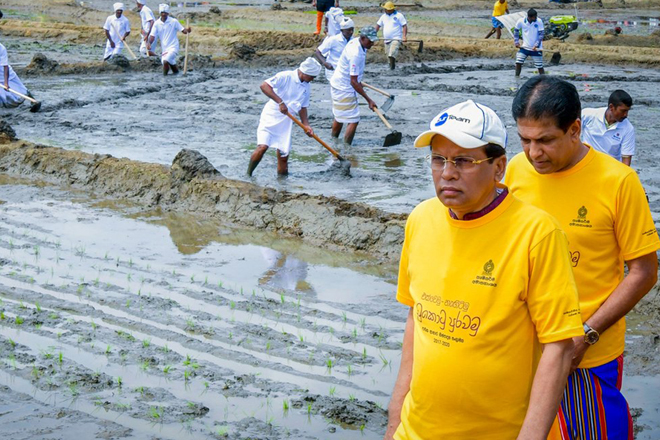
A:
x,y
12,81
608,129
330,50
117,28
333,20
148,19
166,29
530,28
346,84
395,31
289,93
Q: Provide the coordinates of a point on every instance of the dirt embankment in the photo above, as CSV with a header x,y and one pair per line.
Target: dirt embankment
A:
x,y
192,184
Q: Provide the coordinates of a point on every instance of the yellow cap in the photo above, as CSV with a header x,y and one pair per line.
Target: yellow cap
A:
x,y
389,6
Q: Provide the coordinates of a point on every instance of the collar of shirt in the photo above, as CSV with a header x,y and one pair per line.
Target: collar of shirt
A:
x,y
501,195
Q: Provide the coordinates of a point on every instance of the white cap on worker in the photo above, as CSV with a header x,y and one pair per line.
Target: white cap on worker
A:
x,y
142,2
346,23
118,7
468,125
164,7
310,67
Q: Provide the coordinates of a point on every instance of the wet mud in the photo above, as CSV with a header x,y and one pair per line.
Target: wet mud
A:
x,y
148,288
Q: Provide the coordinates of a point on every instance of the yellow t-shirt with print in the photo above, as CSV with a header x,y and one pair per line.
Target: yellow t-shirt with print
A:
x,y
601,205
485,294
499,8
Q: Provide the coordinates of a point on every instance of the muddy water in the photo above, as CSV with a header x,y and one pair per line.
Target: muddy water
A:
x,y
150,118
136,322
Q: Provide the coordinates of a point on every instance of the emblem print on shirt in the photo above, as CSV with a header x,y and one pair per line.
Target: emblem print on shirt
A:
x,y
581,220
486,278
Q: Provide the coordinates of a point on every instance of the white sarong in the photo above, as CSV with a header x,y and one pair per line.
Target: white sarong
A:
x,y
275,128
169,56
109,51
345,106
8,99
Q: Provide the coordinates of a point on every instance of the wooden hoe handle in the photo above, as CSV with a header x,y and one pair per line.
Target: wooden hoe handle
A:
x,y
318,139
19,94
380,114
369,86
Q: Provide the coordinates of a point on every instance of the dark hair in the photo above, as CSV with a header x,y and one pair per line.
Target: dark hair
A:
x,y
619,97
1,14
494,151
545,96
532,12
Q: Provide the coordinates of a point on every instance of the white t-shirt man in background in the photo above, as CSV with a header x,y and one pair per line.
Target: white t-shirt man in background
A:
x,y
117,28
531,30
330,50
395,31
166,29
148,19
608,129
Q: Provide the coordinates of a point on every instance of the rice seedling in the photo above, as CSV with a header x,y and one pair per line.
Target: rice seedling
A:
x,y
186,375
80,251
267,346
192,279
165,349
364,353
282,298
2,315
37,325
222,431
73,389
12,360
140,390
349,370
130,262
363,323
122,406
355,333
351,397
21,305
285,405
155,412
309,409
47,354
382,358
94,325
329,364
167,369
37,306
220,284
232,304
231,335
206,280
108,350
80,289
119,381
129,277
188,360
106,257
19,320
332,391
146,343
37,252
362,426
60,359
144,366
128,303
36,374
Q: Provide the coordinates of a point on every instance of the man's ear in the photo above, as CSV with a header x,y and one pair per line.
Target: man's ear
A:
x,y
500,167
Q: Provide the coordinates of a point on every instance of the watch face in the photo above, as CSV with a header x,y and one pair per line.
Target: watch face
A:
x,y
591,337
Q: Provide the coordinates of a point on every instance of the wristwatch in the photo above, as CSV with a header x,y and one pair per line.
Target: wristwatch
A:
x,y
591,336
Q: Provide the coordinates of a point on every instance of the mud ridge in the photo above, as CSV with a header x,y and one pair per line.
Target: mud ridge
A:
x,y
190,185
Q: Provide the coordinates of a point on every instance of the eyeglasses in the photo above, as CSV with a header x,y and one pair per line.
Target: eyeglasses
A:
x,y
439,163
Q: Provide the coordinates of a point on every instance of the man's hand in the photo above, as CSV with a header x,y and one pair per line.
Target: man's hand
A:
x,y
534,48
283,108
6,85
309,131
112,44
405,38
579,352
328,66
187,30
518,44
372,104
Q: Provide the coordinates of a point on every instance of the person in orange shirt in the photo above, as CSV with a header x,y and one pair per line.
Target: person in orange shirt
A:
x,y
601,205
500,7
492,302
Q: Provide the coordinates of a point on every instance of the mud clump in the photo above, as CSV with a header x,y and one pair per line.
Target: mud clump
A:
x,y
190,164
585,37
7,133
242,51
120,61
192,184
41,64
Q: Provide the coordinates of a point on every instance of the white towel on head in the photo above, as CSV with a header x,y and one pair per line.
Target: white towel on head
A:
x,y
118,6
346,23
164,7
310,67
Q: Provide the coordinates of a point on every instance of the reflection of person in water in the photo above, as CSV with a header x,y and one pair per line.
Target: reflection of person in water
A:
x,y
284,271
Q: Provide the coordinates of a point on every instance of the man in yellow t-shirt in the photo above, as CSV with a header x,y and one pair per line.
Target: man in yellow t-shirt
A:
x,y
601,205
501,7
493,304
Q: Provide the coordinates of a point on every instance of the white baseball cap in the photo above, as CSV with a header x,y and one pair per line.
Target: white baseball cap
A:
x,y
468,125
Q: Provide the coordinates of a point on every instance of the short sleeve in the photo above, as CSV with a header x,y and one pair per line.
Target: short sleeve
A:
x,y
4,59
633,224
155,31
325,46
380,21
518,25
179,26
552,296
353,63
305,100
628,144
403,283
276,81
540,24
107,25
403,20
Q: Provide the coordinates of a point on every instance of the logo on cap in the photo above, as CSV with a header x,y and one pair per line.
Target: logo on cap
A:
x,y
442,119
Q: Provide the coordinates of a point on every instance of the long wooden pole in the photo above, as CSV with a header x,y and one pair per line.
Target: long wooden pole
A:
x,y
19,94
185,59
318,139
